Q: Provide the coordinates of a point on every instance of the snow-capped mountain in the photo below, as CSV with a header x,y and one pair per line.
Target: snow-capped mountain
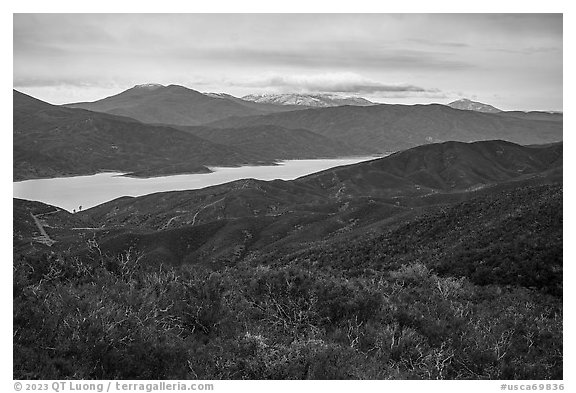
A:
x,y
220,95
314,100
469,105
149,86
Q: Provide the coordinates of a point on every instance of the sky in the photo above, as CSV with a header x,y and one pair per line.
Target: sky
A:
x,y
511,61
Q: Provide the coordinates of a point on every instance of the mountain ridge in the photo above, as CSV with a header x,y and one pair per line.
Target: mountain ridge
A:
x,y
469,105
53,141
421,172
279,143
393,127
175,104
251,219
317,100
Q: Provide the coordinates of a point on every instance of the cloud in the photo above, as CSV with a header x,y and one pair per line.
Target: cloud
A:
x,y
61,82
517,56
341,55
346,82
530,50
448,44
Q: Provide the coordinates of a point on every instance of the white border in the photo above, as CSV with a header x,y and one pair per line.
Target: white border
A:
x,y
298,6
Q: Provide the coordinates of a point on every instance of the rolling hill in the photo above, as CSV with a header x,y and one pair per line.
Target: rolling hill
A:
x,y
274,143
422,172
442,167
224,224
246,218
535,115
398,127
478,283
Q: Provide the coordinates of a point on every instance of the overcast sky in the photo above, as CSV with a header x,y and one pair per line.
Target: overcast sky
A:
x,y
509,61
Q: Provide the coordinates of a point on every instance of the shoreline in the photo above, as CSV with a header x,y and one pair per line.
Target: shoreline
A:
x,y
89,191
211,169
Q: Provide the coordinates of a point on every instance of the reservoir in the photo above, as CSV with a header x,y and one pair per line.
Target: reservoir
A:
x,y
88,191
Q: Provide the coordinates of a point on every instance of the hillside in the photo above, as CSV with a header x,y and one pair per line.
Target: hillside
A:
x,y
398,127
51,141
55,222
464,283
534,115
442,167
421,171
222,225
175,104
346,197
274,143
504,237
56,141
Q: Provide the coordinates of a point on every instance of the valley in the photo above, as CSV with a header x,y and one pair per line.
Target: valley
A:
x,y
432,252
358,242
71,192
345,199
256,196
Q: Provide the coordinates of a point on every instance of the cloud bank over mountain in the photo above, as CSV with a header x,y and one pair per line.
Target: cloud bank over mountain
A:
x,y
513,60
345,82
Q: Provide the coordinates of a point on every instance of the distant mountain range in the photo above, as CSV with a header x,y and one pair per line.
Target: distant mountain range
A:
x,y
52,141
173,104
179,105
152,130
269,143
468,105
396,127
534,115
309,100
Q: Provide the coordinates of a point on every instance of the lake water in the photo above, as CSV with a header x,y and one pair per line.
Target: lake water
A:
x,y
88,191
